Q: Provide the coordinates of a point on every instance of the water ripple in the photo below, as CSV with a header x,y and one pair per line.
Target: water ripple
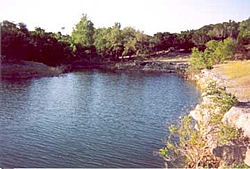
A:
x,y
90,119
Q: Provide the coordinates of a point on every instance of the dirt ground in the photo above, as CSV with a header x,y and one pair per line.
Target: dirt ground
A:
x,y
236,75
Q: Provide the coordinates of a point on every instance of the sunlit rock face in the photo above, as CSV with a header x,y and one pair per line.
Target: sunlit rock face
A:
x,y
240,118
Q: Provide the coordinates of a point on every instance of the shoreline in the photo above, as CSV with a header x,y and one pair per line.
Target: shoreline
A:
x,y
29,69
238,116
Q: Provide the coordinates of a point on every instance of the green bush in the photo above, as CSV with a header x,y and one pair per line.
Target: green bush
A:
x,y
199,60
216,52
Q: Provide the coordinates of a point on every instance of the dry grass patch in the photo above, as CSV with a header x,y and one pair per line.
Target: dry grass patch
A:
x,y
238,73
236,69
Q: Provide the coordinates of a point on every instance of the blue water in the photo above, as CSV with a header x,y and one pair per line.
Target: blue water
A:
x,y
90,119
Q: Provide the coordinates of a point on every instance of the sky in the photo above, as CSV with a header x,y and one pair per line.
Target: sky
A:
x,y
150,16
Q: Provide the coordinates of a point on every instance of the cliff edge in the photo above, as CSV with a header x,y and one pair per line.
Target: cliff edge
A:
x,y
234,77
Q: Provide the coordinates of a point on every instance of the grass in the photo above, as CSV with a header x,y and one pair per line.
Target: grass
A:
x,y
237,69
239,77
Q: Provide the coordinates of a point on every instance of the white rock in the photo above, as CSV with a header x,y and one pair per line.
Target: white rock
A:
x,y
240,118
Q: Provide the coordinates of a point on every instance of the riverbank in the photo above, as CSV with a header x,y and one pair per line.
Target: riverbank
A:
x,y
232,77
27,69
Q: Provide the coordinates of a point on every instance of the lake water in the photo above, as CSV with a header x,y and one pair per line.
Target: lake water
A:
x,y
90,119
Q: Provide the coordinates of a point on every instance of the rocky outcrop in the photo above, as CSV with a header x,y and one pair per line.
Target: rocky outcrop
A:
x,y
235,152
178,67
239,117
153,66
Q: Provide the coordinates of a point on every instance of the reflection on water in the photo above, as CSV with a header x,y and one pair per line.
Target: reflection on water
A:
x,y
90,119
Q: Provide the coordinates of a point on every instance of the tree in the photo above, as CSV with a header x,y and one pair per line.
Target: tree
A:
x,y
13,40
83,32
102,41
128,35
116,41
199,60
216,52
244,32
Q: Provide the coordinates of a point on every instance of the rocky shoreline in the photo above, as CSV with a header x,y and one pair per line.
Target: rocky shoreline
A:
x,y
29,69
178,67
238,116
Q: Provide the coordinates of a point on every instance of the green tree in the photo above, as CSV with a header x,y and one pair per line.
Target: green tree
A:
x,y
129,35
216,52
116,41
244,31
83,32
199,60
102,41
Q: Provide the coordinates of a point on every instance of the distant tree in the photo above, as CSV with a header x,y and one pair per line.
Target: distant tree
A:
x,y
102,41
116,41
13,39
83,32
129,35
216,52
244,32
142,43
185,41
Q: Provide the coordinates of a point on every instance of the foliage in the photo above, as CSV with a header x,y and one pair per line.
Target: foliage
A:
x,y
199,60
244,31
216,52
222,99
83,32
114,43
18,43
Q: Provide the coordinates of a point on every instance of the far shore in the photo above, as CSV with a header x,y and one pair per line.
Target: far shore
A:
x,y
29,69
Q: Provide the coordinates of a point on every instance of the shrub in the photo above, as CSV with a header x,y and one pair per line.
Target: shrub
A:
x,y
199,60
216,52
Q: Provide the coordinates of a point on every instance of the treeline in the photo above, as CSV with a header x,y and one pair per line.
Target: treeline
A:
x,y
234,47
92,44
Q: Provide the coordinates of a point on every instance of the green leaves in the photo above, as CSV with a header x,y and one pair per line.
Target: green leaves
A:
x,y
83,32
244,30
198,60
216,52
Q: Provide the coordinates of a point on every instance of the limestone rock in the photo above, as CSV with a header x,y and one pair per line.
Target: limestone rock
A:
x,y
233,153
240,118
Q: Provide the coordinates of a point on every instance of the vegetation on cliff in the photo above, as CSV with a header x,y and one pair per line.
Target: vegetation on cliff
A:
x,y
195,142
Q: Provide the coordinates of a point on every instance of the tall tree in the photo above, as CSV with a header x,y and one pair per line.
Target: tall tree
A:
x,y
83,32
